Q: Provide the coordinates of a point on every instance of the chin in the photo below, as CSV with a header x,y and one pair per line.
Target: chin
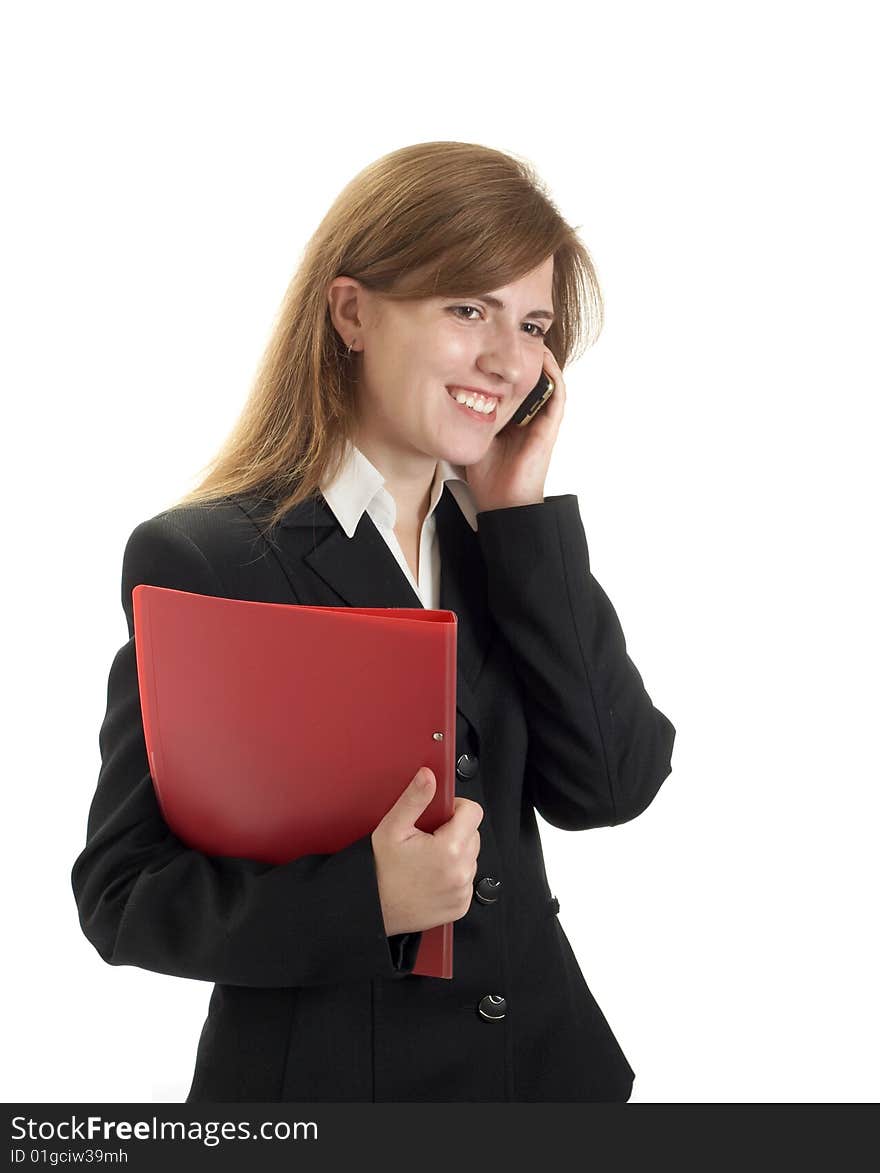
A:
x,y
464,451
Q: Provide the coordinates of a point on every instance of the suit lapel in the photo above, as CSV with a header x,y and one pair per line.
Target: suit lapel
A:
x,y
363,572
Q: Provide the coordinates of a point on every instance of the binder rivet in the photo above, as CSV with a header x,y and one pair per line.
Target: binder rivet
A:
x,y
438,736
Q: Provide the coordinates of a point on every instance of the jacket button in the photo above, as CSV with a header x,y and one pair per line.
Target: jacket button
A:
x,y
487,890
467,765
493,1008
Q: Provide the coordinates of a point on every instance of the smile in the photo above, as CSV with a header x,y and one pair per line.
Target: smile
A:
x,y
481,407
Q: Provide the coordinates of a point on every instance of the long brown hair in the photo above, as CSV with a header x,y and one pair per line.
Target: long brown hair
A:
x,y
434,219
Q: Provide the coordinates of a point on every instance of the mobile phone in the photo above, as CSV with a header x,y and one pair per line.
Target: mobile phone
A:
x,y
533,402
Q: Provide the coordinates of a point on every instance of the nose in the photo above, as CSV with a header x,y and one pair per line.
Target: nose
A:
x,y
502,355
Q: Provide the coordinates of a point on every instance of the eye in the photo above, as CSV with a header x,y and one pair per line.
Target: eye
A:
x,y
454,308
476,309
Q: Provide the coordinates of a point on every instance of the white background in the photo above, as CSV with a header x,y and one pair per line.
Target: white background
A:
x,y
165,165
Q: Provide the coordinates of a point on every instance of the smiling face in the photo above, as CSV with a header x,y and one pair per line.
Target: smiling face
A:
x,y
416,353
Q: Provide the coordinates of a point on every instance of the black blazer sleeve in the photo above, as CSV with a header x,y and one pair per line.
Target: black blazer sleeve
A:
x,y
146,899
598,748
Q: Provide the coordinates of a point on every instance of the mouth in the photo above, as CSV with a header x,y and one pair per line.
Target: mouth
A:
x,y
481,407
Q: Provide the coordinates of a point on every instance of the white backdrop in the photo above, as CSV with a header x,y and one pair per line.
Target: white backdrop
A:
x,y
166,163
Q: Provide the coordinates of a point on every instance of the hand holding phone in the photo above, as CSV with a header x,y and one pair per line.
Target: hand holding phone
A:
x,y
514,468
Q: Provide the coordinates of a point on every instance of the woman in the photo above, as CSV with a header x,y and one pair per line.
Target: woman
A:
x,y
356,476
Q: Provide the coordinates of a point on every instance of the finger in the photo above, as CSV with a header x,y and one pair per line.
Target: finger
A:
x,y
555,372
550,362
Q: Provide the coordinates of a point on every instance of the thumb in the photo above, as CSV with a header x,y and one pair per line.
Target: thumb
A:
x,y
413,800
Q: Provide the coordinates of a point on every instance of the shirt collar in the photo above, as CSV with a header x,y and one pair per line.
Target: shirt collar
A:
x,y
360,487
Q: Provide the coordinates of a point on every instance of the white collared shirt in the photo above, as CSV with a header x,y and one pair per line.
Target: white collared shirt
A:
x,y
360,487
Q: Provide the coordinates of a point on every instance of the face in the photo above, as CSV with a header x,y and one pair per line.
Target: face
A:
x,y
413,355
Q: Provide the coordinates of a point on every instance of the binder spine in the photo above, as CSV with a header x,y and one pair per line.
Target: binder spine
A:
x,y
143,649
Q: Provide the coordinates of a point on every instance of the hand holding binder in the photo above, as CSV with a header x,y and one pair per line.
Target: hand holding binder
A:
x,y
280,730
425,876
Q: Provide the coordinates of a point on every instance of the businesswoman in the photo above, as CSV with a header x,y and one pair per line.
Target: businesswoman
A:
x,y
373,466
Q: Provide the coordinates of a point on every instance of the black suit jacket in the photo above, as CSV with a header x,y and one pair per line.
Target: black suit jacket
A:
x,y
312,1002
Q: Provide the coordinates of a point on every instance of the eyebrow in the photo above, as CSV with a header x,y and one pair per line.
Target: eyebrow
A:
x,y
499,305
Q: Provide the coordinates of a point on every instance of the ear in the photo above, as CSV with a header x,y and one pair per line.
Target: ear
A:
x,y
346,298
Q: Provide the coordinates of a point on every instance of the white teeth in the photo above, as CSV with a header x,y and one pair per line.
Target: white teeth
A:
x,y
476,402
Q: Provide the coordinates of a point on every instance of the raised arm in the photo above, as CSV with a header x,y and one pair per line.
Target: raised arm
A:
x,y
598,748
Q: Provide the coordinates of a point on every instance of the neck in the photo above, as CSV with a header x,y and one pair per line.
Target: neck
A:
x,y
408,478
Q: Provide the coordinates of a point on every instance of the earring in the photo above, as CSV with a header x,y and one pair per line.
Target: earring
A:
x,y
350,345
